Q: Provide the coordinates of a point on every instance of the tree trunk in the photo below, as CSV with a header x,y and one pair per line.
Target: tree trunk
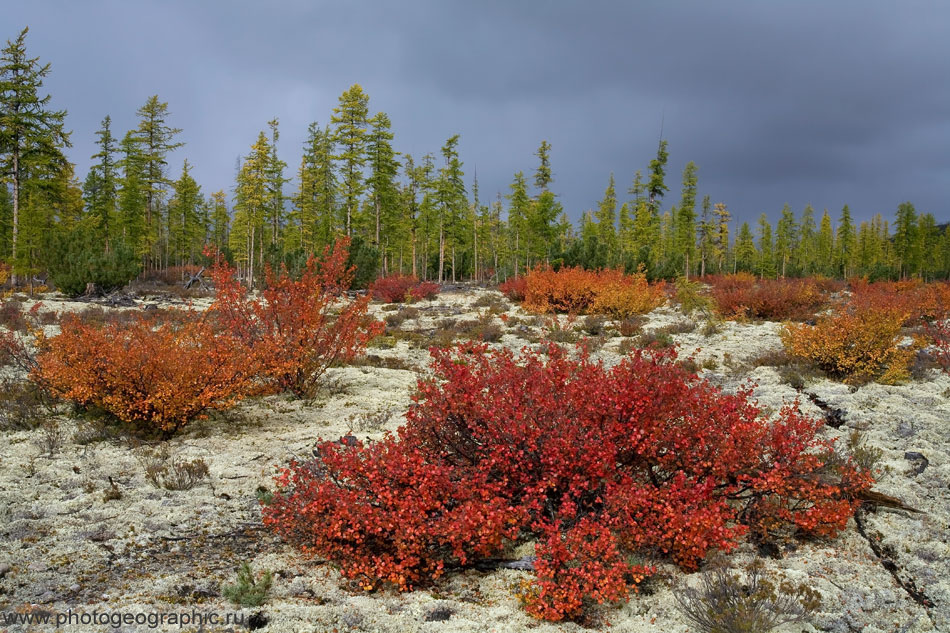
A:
x,y
16,205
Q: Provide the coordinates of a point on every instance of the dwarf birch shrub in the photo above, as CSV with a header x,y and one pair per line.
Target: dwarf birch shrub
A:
x,y
591,463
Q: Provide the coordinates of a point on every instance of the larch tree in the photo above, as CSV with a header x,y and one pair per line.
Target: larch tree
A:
x,y
786,237
606,216
807,251
350,120
825,251
905,239
845,244
685,225
384,168
156,140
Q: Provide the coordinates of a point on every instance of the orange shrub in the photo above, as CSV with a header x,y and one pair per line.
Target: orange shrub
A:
x,y
855,345
158,376
742,296
579,291
299,327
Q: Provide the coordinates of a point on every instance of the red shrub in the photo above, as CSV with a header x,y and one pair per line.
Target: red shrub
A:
x,y
913,297
299,327
399,288
940,334
158,376
513,288
742,296
594,463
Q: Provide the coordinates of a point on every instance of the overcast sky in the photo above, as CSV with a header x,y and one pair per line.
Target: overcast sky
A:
x,y
828,103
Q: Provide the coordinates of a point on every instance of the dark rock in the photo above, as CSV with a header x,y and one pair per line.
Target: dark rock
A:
x,y
906,429
439,614
4,569
257,621
918,460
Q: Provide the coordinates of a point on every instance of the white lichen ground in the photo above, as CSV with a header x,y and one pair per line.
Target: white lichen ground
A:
x,y
64,546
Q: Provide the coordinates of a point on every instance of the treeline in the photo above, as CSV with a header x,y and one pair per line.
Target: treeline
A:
x,y
407,214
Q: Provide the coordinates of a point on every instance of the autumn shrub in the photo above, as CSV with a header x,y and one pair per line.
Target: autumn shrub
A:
x,y
298,328
580,291
742,296
919,301
402,288
594,464
939,332
856,344
157,376
513,288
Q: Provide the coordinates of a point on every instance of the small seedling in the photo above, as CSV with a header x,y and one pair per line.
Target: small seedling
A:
x,y
248,592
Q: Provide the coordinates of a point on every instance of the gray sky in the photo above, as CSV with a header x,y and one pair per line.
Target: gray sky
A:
x,y
832,103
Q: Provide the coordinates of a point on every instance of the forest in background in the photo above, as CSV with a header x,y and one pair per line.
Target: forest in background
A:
x,y
419,215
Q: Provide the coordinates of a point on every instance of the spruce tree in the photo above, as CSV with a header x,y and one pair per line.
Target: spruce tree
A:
x,y
101,192
32,136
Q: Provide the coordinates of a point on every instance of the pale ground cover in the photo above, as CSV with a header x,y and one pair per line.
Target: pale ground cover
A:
x,y
64,545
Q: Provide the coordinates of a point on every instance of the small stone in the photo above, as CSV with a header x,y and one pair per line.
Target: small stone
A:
x,y
38,566
918,460
906,429
5,569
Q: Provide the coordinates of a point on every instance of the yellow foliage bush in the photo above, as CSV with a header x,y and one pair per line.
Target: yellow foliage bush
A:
x,y
855,345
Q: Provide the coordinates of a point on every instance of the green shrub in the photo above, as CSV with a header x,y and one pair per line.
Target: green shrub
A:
x,y
78,259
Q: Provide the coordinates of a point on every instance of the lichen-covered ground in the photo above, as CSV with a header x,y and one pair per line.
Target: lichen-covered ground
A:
x,y
81,528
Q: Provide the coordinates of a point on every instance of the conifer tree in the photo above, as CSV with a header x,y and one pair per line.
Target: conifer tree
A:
x,y
220,220
274,170
721,240
452,205
518,209
155,139
905,239
744,249
349,136
32,136
845,244
384,167
766,260
807,252
685,246
606,215
824,256
101,191
541,222
185,229
132,198
786,238
656,186
250,207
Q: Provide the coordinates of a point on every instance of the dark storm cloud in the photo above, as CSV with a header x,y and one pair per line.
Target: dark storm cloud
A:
x,y
798,102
